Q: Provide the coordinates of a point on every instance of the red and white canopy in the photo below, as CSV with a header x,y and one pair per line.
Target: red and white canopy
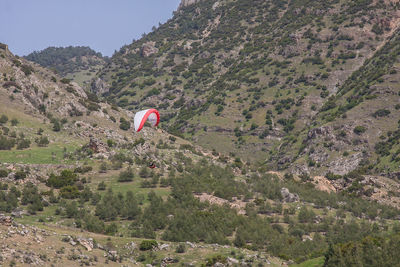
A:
x,y
150,115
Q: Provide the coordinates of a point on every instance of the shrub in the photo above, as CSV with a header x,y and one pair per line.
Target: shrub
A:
x,y
67,177
126,176
27,69
69,192
3,119
101,186
6,143
381,113
3,173
42,141
359,130
14,122
20,175
181,248
124,124
65,80
148,244
332,176
111,229
23,143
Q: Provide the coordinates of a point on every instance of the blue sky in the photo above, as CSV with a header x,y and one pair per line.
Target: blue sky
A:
x,y
104,25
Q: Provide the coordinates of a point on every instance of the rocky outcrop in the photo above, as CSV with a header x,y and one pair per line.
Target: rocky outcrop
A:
x,y
289,197
5,220
99,87
148,49
87,243
345,165
97,145
185,3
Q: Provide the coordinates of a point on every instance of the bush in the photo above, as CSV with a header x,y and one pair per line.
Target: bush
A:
x,y
332,176
56,126
3,173
101,186
124,124
359,130
27,69
69,192
20,175
14,122
148,244
181,248
42,141
6,144
381,113
111,229
126,176
23,143
3,119
67,177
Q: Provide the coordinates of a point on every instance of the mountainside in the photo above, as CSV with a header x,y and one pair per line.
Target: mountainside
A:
x,y
264,80
79,63
76,189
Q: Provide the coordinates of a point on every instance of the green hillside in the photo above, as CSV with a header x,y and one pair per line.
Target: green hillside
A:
x,y
69,163
279,142
254,78
78,63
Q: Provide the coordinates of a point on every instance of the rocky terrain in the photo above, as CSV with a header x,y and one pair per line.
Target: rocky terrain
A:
x,y
275,91
278,145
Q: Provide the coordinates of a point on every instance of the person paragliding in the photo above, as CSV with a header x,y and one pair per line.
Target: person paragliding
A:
x,y
150,115
153,117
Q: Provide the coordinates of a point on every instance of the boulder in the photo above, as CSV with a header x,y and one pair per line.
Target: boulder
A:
x,y
289,197
18,212
87,243
5,220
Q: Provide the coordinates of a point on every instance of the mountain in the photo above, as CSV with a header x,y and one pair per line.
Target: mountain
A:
x,y
78,63
278,144
75,188
259,79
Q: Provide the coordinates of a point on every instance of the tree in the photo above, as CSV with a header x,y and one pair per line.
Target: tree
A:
x,y
42,141
71,209
66,177
131,207
124,124
101,186
126,176
3,119
56,126
14,122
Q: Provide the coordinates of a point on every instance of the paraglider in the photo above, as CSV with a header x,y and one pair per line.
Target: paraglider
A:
x,y
152,116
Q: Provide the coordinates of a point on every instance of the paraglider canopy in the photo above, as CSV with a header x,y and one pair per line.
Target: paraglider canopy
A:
x,y
150,115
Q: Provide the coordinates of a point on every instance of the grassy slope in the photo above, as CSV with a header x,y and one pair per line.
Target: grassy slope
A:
x,y
222,71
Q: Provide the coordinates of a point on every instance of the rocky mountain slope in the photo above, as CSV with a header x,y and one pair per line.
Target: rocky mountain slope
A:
x,y
75,183
259,79
78,63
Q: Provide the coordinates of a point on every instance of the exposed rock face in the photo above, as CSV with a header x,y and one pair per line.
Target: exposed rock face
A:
x,y
325,131
289,197
148,49
185,3
344,165
99,87
97,145
87,243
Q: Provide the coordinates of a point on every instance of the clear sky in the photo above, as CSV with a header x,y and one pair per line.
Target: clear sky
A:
x,y
103,25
